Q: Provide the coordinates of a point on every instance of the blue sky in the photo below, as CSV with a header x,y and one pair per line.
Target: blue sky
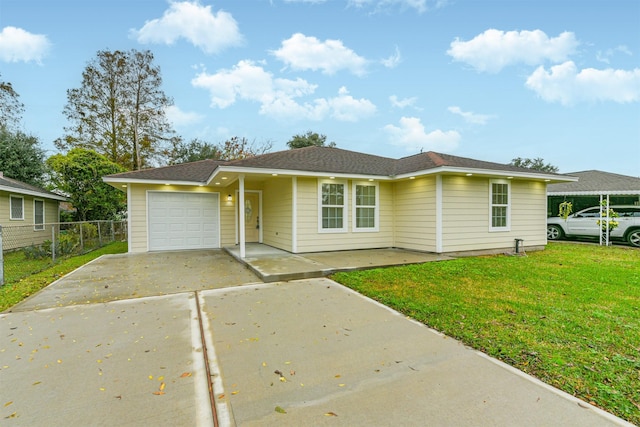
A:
x,y
491,80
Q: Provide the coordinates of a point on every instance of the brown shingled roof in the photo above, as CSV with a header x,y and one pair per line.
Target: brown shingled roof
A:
x,y
198,171
598,182
321,160
9,184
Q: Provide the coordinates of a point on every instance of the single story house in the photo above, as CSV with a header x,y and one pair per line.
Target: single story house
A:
x,y
327,199
24,211
591,185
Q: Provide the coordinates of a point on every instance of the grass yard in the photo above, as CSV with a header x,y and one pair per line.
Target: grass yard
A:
x,y
568,315
15,290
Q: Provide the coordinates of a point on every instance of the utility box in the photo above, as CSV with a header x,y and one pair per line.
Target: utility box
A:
x,y
519,246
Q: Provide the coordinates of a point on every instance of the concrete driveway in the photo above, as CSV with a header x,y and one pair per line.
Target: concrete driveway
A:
x,y
191,339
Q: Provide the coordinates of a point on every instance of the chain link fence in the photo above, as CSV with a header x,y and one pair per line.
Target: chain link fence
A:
x,y
29,249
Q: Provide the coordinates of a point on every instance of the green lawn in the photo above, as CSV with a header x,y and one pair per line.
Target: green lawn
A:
x,y
569,315
15,290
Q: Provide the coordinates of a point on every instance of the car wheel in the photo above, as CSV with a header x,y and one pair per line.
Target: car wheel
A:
x,y
634,238
554,232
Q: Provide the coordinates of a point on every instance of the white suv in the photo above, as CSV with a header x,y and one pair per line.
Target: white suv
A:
x,y
585,224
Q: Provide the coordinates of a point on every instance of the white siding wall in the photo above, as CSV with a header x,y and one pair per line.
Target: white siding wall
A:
x,y
310,240
415,214
466,215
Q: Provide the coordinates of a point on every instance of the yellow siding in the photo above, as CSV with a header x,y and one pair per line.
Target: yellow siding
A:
x,y
415,214
466,215
310,240
20,233
277,199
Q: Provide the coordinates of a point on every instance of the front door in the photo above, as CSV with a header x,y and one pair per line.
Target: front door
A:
x,y
251,217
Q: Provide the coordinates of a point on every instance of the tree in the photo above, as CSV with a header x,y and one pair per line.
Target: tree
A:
x,y
11,108
535,164
119,111
193,151
240,148
21,157
308,140
78,175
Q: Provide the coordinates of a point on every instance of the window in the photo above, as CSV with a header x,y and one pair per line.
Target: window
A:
x,y
366,207
499,200
333,202
16,207
38,215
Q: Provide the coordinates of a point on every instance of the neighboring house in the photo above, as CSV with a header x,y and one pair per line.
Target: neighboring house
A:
x,y
326,199
586,192
24,211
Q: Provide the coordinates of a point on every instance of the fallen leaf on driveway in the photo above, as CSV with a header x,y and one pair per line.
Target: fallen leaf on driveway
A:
x,y
280,410
185,374
331,414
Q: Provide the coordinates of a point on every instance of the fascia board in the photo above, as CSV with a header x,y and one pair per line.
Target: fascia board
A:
x,y
490,172
149,181
595,193
32,193
291,172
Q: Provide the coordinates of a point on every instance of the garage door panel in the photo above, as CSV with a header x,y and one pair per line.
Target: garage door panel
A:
x,y
183,220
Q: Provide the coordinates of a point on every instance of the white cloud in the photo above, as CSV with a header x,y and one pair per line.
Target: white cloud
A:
x,y
604,56
565,84
393,60
182,118
411,135
493,50
193,22
402,103
308,53
278,97
18,45
471,117
420,6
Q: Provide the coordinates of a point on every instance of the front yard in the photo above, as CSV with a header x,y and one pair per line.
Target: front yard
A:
x,y
568,315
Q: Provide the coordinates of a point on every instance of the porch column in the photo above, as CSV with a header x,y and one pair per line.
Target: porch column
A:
x,y
241,215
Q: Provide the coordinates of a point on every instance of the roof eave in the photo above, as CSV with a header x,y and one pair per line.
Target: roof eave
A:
x,y
595,193
292,172
549,178
33,193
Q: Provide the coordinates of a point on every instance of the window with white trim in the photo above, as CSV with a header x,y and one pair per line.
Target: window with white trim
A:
x,y
500,205
16,208
38,215
333,206
365,212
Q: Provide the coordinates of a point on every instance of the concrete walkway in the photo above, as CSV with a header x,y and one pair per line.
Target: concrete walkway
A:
x,y
305,352
273,265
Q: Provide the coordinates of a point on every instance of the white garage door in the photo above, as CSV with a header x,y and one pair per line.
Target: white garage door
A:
x,y
183,221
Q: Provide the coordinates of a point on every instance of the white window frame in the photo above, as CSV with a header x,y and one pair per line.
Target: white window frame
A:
x,y
11,202
507,226
375,207
344,206
38,226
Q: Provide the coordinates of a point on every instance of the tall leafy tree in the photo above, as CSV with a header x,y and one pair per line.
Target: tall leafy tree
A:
x,y
193,151
119,110
11,108
309,139
240,148
78,175
535,164
21,157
